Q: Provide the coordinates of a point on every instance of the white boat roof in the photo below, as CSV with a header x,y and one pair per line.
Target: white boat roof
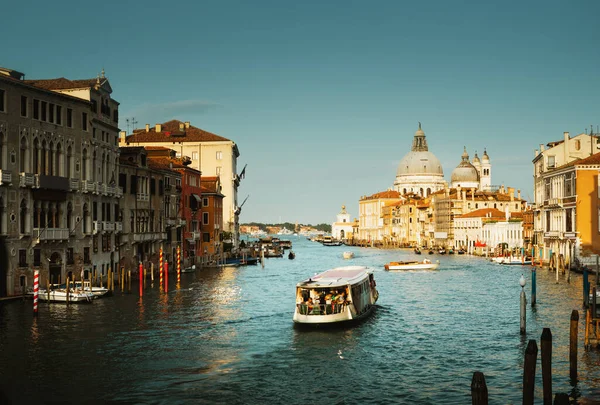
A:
x,y
339,276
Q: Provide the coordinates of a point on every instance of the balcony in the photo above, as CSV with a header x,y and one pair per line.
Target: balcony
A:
x,y
194,235
118,226
108,226
88,186
149,237
5,177
96,227
74,184
103,189
552,234
49,234
26,179
143,197
118,192
170,222
57,183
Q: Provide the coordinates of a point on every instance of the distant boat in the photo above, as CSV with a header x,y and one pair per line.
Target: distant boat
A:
x,y
291,255
413,265
417,251
348,255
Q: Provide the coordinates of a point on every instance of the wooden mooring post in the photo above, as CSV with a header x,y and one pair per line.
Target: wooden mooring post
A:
x,y
529,372
561,399
479,391
523,306
586,287
546,353
573,345
533,286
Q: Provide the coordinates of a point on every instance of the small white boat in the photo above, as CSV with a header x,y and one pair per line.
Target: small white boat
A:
x,y
511,260
348,255
338,295
98,292
189,269
61,296
412,265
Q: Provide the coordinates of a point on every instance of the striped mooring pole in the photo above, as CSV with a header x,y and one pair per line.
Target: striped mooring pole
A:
x,y
166,276
178,265
160,268
36,291
141,270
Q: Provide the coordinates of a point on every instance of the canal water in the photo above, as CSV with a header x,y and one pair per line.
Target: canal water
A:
x,y
227,336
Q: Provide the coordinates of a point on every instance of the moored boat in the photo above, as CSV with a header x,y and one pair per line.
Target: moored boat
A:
x,y
60,295
512,260
412,265
338,295
417,251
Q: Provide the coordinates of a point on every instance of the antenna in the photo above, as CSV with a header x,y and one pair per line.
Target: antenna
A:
x,y
131,122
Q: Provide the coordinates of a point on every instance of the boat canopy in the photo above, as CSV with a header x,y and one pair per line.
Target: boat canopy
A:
x,y
339,276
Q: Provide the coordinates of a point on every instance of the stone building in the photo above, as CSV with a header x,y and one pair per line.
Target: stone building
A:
x,y
211,154
212,219
341,229
58,193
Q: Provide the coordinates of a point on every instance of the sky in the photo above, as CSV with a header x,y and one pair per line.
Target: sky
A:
x,y
323,97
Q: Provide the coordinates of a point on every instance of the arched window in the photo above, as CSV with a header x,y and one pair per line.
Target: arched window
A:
x,y
428,191
59,168
421,191
577,144
84,165
85,221
94,170
23,156
23,217
69,163
404,191
102,179
44,158
51,159
2,217
70,216
2,150
36,156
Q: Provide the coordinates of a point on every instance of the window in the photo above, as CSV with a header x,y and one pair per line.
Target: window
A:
x,y
86,255
132,184
160,187
205,202
59,115
569,220
218,171
547,221
23,257
23,106
84,123
37,255
44,111
69,116
219,155
577,144
152,186
547,190
206,237
36,109
194,155
51,113
551,162
2,100
205,218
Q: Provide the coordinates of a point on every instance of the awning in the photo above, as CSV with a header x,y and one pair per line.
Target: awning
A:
x,y
197,197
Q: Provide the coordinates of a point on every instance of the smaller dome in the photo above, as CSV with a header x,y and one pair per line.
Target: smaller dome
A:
x,y
465,172
485,158
476,159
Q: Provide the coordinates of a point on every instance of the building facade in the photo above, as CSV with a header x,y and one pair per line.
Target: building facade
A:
x,y
341,229
370,214
59,165
212,219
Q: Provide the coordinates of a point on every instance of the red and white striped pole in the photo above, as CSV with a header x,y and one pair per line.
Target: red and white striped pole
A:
x,y
166,276
178,265
141,270
36,291
160,268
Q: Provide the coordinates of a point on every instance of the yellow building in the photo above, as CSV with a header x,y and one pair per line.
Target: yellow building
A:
x,y
370,214
587,208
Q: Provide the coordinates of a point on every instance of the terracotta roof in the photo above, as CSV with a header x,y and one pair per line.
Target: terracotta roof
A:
x,y
164,163
62,83
484,212
170,133
591,160
384,194
157,148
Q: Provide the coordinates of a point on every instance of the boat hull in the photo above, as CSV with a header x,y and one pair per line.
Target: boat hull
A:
x,y
428,266
61,296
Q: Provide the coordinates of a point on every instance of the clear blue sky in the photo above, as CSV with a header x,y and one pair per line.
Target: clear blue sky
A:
x,y
323,97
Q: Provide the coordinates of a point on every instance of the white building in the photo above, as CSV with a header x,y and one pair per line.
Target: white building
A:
x,y
342,228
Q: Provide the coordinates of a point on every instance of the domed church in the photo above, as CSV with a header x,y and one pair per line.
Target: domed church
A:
x,y
475,175
419,172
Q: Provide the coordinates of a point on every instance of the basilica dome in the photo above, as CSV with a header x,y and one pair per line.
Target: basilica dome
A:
x,y
419,171
465,174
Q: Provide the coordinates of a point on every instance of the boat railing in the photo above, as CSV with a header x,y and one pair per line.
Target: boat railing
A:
x,y
321,309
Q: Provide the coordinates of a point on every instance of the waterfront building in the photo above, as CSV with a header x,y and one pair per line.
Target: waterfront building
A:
x,y
484,229
150,205
212,218
426,223
187,222
370,214
419,171
504,234
450,203
559,172
341,229
58,171
401,221
211,154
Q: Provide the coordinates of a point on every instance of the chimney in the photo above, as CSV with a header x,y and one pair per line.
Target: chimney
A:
x,y
158,128
519,194
566,147
511,192
187,124
181,126
541,147
122,136
147,127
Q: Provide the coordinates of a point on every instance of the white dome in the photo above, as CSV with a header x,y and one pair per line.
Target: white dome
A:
x,y
485,158
465,172
421,162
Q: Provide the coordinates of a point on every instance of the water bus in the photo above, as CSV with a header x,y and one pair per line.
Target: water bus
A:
x,y
339,295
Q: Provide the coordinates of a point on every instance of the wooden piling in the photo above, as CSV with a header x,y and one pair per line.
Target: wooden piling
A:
x,y
593,306
122,279
586,287
479,391
129,281
68,295
529,372
523,312
533,286
561,399
48,289
152,272
586,337
546,353
573,344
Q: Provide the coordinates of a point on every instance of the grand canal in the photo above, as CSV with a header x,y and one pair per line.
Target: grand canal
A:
x,y
226,336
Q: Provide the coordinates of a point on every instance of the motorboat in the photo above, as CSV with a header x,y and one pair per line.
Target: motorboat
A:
x,y
442,251
512,260
339,295
461,251
430,251
190,269
412,265
348,255
98,292
60,295
417,251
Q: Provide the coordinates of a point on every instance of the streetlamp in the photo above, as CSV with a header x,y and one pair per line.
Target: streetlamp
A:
x,y
523,304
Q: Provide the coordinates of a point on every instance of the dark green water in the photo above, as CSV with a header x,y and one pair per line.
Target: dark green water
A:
x,y
227,337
